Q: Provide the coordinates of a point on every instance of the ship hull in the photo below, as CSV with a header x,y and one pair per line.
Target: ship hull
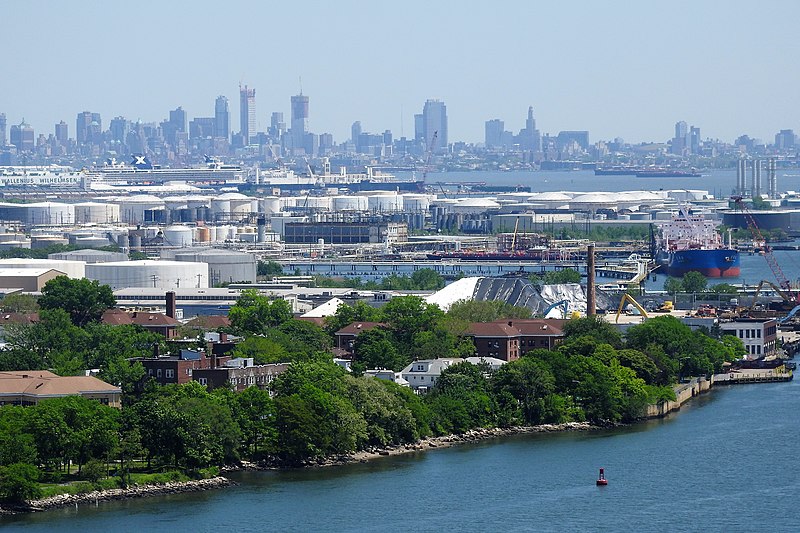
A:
x,y
722,263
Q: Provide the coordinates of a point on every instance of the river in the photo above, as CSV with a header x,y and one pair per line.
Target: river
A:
x,y
726,462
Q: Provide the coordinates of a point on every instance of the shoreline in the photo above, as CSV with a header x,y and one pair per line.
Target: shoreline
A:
x,y
135,491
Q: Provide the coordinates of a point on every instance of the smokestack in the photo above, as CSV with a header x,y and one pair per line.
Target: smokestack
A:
x,y
171,302
756,178
262,229
741,176
591,307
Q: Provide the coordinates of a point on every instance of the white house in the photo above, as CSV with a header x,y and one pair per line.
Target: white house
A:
x,y
422,375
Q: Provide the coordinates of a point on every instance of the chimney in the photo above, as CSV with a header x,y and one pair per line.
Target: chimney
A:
x,y
213,359
510,324
155,350
223,337
171,304
261,223
591,306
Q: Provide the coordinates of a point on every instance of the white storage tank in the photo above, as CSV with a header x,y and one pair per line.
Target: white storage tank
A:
x,y
180,236
96,213
416,203
48,214
147,273
318,202
269,205
224,266
91,242
349,203
383,203
475,206
43,241
232,206
138,209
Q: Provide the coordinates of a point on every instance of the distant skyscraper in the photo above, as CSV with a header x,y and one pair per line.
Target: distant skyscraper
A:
x,y
277,126
694,140
88,128
247,113
355,133
419,128
119,128
493,132
22,137
434,121
178,119
62,133
3,129
681,140
530,139
784,140
299,121
222,118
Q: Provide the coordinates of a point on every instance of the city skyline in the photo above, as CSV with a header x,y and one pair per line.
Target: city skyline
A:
x,y
617,70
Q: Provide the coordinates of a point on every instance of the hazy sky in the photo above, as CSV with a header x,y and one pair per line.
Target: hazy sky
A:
x,y
629,69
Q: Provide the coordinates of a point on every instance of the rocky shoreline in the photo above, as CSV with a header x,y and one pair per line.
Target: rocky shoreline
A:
x,y
135,491
430,443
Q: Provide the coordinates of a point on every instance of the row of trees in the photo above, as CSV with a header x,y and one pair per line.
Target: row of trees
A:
x,y
695,283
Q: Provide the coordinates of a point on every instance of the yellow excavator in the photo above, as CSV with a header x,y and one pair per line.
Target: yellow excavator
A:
x,y
627,298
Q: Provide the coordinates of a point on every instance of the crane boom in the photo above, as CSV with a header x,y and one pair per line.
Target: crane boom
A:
x,y
783,281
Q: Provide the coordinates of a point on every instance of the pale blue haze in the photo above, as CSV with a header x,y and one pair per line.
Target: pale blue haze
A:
x,y
618,68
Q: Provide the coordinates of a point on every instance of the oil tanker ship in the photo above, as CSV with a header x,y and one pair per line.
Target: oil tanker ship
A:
x,y
690,243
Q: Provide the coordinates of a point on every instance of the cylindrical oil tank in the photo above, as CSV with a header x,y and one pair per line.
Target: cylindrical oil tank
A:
x,y
7,245
202,234
49,214
134,209
269,205
212,233
322,203
91,242
158,274
231,233
223,265
383,203
96,213
180,236
44,241
416,203
349,203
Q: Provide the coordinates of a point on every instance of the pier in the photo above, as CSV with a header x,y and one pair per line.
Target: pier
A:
x,y
756,375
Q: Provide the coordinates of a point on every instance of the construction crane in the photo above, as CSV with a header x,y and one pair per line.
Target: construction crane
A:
x,y
514,238
783,281
429,154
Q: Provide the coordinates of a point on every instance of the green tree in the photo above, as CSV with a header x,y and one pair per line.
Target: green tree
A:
x,y
673,286
694,282
85,300
18,482
374,349
486,311
595,327
527,382
347,314
255,414
262,349
20,303
254,313
426,279
269,268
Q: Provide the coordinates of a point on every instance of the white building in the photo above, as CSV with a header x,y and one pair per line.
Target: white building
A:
x,y
422,375
758,335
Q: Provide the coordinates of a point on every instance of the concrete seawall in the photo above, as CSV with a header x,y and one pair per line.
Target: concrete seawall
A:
x,y
686,391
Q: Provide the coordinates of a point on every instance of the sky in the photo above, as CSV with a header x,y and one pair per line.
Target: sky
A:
x,y
627,69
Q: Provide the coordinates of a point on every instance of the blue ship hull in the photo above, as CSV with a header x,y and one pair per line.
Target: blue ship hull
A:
x,y
723,263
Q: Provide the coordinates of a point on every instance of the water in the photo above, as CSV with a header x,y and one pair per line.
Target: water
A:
x,y
726,462
720,183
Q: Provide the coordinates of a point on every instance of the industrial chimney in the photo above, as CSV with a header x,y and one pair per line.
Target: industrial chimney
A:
x,y
171,304
591,307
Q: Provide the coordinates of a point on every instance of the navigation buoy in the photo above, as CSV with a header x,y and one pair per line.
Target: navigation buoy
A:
x,y
602,481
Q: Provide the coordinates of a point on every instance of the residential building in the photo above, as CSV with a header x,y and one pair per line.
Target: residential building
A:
x,y
422,375
178,369
222,118
239,373
510,339
29,387
759,336
247,113
434,121
346,337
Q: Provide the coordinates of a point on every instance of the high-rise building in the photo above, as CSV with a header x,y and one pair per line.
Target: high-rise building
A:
x,y
530,138
119,128
493,132
694,140
784,140
62,133
434,121
247,113
202,127
277,126
222,118
419,128
88,127
299,121
3,129
22,137
681,140
355,133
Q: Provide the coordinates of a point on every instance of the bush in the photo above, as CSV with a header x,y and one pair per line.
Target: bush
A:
x,y
18,482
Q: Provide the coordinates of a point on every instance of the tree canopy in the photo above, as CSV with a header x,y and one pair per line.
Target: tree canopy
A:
x,y
85,300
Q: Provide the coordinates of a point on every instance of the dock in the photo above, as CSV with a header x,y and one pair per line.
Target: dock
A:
x,y
753,376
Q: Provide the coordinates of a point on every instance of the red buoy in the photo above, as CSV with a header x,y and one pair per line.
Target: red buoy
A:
x,y
602,481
